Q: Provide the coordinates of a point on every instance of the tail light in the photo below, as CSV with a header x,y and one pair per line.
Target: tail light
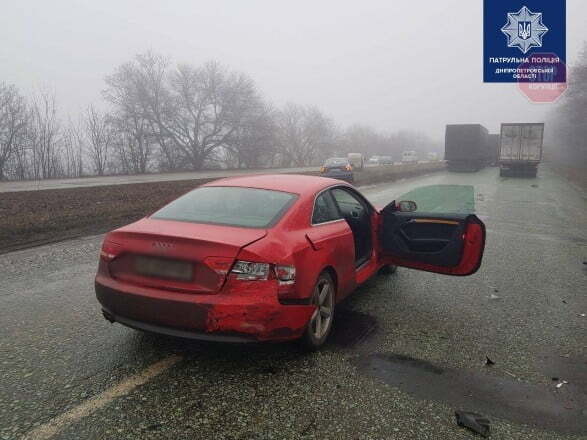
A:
x,y
250,271
246,270
220,265
285,274
348,168
110,250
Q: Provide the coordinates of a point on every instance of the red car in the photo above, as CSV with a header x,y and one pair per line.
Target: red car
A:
x,y
262,258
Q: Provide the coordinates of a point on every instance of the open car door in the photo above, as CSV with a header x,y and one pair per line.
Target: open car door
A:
x,y
450,244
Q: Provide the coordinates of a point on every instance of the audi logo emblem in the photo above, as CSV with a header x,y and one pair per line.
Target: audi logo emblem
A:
x,y
162,245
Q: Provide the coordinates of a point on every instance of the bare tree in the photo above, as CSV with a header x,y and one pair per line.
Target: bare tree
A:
x,y
43,136
73,150
13,121
305,135
363,139
209,106
138,92
133,142
192,111
99,137
253,143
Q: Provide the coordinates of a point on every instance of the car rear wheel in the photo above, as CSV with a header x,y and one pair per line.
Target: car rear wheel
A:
x,y
321,321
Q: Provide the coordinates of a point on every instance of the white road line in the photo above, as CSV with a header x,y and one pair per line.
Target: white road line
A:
x,y
55,425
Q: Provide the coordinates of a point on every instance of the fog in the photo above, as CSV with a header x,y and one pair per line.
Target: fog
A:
x,y
390,65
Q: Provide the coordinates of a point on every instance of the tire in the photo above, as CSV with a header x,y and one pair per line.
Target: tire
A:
x,y
320,323
388,269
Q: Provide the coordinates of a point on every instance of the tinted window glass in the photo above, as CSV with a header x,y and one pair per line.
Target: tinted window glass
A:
x,y
324,209
346,201
446,199
225,205
336,161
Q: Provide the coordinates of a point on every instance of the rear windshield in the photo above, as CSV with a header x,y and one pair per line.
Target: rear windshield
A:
x,y
336,161
226,205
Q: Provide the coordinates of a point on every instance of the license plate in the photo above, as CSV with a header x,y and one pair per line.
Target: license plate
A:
x,y
162,268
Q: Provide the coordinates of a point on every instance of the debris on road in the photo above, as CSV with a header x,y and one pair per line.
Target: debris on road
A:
x,y
560,384
473,421
492,296
488,361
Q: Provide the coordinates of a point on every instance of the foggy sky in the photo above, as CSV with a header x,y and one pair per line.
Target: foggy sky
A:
x,y
391,65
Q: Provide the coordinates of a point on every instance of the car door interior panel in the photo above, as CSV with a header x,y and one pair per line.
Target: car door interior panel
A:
x,y
433,241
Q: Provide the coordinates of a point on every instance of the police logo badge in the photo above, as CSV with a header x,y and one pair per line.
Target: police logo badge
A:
x,y
524,29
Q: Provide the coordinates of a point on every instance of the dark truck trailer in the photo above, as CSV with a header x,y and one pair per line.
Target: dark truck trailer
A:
x,y
466,147
520,149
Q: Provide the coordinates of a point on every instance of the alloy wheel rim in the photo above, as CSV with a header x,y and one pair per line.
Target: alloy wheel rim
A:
x,y
322,317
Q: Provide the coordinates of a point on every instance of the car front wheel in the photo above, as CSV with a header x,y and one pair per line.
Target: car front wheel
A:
x,y
321,321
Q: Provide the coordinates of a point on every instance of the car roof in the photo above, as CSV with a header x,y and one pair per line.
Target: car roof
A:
x,y
293,183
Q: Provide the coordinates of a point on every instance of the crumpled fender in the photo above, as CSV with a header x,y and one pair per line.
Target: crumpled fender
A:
x,y
254,309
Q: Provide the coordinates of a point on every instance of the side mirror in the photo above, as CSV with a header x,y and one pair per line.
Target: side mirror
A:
x,y
406,206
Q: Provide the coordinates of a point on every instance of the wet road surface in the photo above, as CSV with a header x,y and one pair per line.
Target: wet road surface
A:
x,y
408,349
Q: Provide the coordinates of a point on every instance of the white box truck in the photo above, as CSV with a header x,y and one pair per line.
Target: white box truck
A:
x,y
520,149
410,156
356,160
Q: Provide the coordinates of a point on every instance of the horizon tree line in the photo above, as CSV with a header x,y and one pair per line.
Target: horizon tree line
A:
x,y
162,117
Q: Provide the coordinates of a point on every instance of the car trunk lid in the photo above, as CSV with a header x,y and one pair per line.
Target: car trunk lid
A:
x,y
174,255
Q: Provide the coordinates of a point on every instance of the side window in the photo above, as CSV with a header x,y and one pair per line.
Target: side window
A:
x,y
347,202
324,209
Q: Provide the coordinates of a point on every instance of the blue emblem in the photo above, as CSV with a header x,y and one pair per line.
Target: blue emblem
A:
x,y
524,29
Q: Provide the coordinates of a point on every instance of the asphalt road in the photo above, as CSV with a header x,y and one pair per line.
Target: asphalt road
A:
x,y
408,350
33,185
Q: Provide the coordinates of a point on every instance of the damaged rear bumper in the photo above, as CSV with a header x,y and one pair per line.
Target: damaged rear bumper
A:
x,y
240,313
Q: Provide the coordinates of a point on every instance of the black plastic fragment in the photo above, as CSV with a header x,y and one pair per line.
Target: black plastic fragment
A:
x,y
489,361
473,421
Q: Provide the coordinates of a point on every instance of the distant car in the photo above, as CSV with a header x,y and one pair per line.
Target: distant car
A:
x,y
268,257
356,160
409,156
380,160
338,168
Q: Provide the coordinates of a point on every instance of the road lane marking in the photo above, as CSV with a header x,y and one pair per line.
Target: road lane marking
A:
x,y
55,425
